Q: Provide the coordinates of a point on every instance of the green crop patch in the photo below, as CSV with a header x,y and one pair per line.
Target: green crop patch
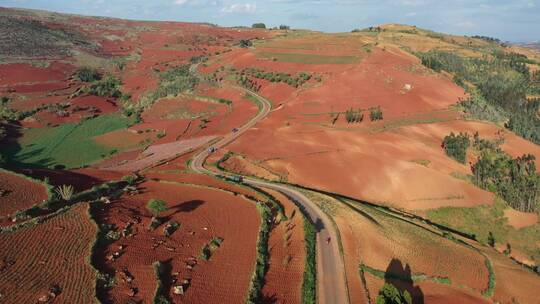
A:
x,y
68,145
309,58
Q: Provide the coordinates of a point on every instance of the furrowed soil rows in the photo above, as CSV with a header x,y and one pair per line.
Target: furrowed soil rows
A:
x,y
203,214
19,193
52,253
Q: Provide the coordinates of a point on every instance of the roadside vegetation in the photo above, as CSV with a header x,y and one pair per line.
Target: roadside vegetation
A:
x,y
499,85
261,265
309,285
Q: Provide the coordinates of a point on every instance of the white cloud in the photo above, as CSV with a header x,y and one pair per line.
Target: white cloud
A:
x,y
240,8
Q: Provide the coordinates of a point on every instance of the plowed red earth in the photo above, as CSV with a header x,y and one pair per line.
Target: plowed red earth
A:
x,y
18,73
203,213
52,253
20,193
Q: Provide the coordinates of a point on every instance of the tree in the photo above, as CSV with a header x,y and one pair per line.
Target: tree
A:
x,y
491,239
456,146
376,114
156,207
389,294
284,27
259,25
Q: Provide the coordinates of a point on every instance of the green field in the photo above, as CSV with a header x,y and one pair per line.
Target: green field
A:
x,y
481,220
68,145
309,58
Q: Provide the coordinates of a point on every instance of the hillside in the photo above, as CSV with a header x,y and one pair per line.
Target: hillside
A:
x,y
203,163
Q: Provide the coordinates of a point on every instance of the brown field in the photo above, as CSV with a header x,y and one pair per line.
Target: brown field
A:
x,y
20,193
305,140
203,214
52,253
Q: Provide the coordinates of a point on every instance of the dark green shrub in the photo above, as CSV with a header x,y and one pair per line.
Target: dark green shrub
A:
x,y
259,25
389,294
87,74
456,146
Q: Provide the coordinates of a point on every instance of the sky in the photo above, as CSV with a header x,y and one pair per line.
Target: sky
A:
x,y
513,20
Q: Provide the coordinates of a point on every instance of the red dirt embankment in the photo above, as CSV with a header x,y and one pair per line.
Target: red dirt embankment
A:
x,y
202,213
55,252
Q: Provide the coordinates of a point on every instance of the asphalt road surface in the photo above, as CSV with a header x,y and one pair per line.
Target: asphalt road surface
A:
x,y
330,270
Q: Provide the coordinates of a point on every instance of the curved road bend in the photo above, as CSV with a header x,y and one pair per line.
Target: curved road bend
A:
x,y
330,269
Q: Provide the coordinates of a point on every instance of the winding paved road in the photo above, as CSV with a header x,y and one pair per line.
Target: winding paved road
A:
x,y
330,270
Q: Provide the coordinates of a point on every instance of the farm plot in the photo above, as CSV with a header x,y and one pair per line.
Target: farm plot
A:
x,y
68,145
202,215
52,255
18,192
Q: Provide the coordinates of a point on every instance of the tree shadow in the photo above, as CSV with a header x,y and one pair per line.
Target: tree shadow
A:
x,y
268,299
187,206
401,277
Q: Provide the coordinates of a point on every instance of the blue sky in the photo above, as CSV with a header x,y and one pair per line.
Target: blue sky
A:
x,y
516,20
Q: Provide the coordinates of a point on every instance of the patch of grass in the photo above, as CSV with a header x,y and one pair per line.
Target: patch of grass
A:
x,y
309,58
309,285
68,145
491,285
481,220
421,162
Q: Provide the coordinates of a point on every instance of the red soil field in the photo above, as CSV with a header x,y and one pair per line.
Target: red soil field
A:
x,y
52,253
513,283
283,280
518,219
19,193
18,73
41,87
103,104
375,240
203,213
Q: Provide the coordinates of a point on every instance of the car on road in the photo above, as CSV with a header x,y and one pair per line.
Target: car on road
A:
x,y
212,149
235,130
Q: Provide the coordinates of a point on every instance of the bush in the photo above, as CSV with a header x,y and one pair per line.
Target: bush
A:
x,y
456,146
107,87
376,114
87,74
65,192
389,294
259,25
156,207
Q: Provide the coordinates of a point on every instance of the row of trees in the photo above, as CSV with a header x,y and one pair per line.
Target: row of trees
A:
x,y
295,81
355,116
501,83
